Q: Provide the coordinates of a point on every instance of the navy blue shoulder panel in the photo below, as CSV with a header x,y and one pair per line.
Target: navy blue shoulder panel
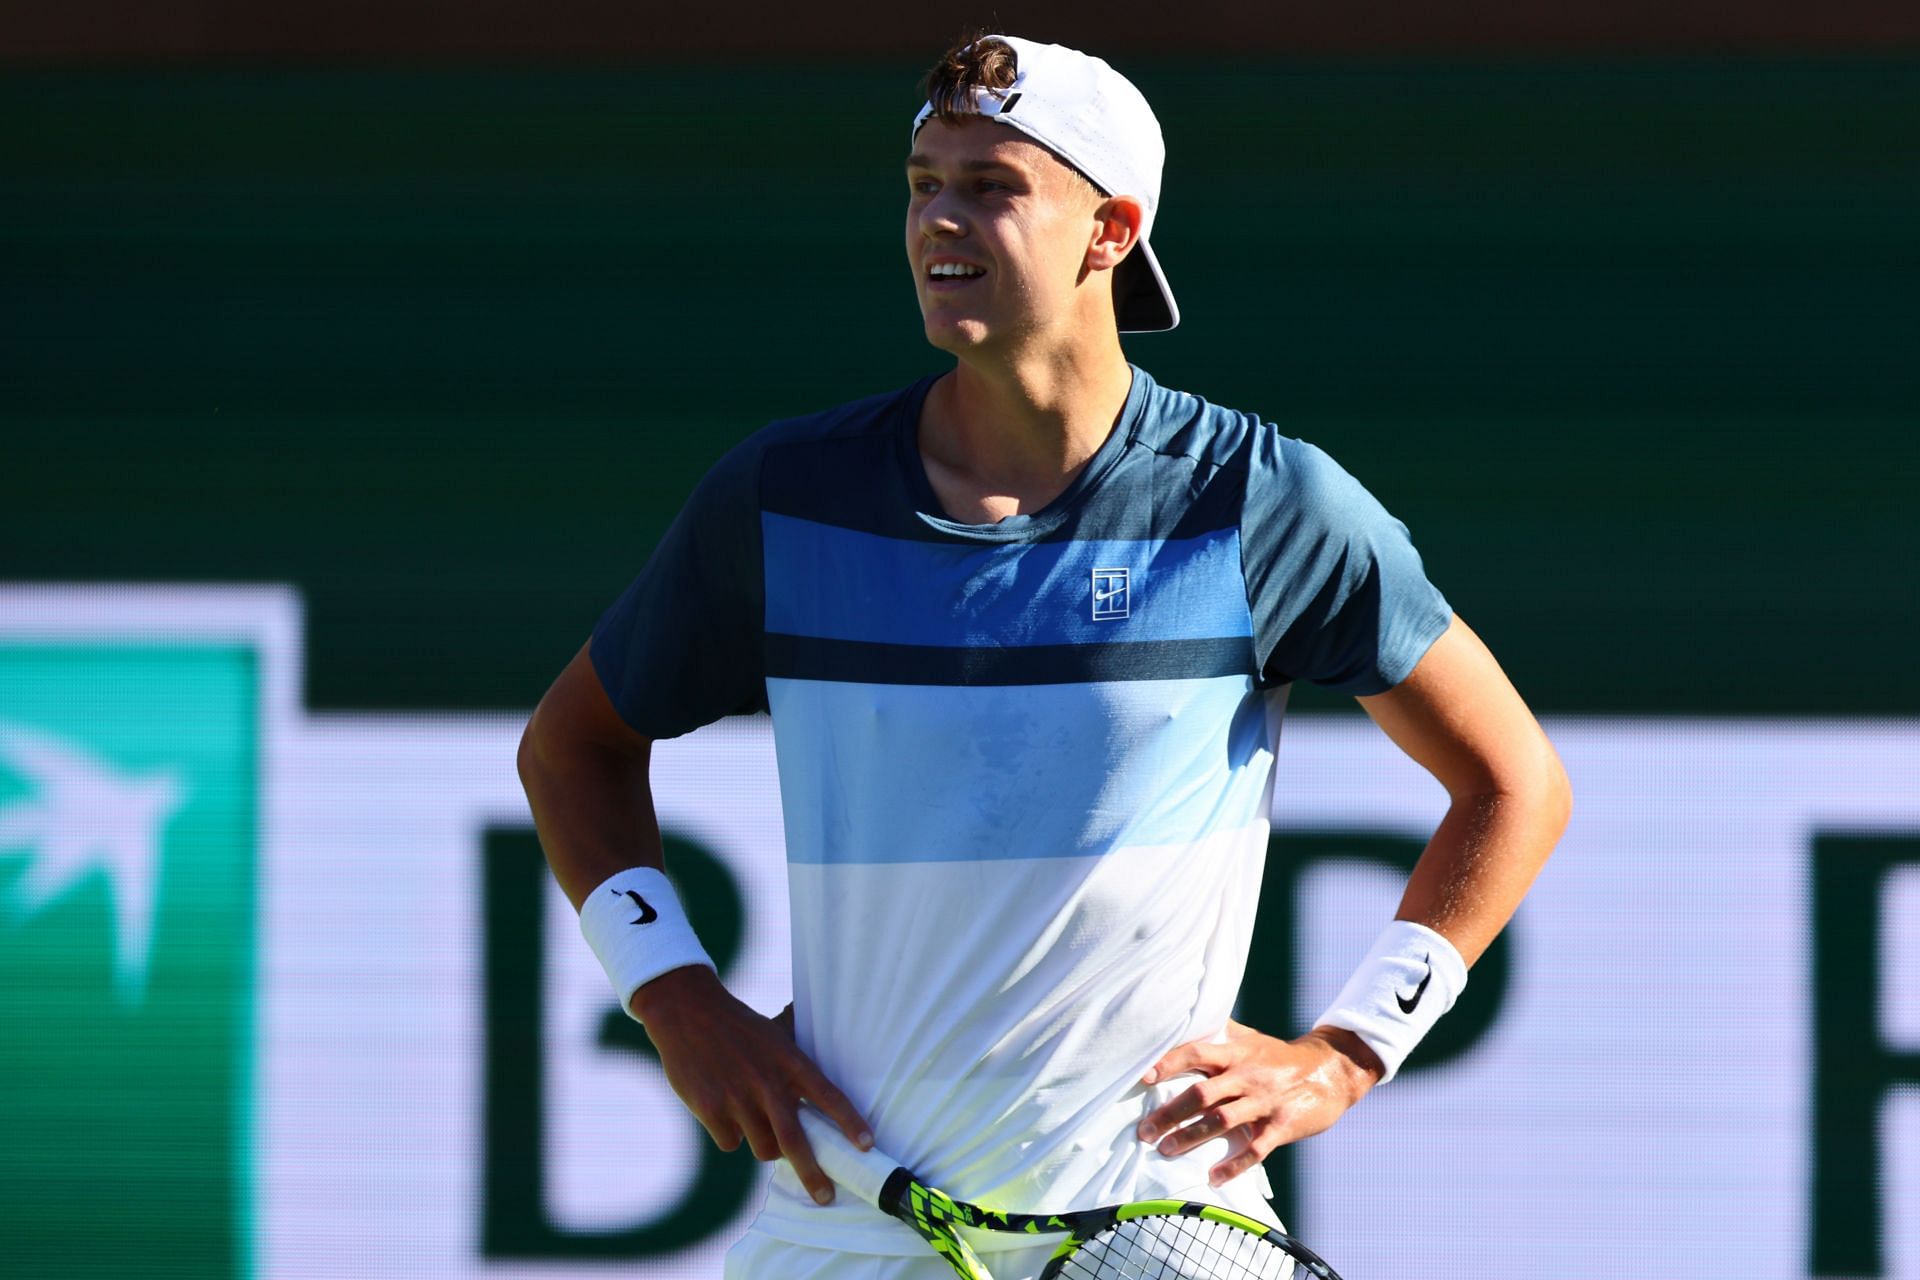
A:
x,y
1337,592
1188,426
682,646
843,467
1195,454
1339,595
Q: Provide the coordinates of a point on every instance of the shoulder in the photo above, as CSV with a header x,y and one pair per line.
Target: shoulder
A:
x,y
1180,424
871,416
860,423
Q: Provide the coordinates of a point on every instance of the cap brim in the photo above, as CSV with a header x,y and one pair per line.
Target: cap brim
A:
x,y
1142,303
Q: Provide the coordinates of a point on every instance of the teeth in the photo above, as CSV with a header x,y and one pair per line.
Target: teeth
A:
x,y
954,269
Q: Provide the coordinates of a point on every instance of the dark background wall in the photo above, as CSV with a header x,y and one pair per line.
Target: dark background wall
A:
x,y
517,31
1620,323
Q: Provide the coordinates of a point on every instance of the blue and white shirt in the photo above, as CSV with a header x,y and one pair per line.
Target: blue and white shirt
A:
x,y
1026,767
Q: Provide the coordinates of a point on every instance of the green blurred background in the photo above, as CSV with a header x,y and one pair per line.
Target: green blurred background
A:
x,y
1629,343
435,310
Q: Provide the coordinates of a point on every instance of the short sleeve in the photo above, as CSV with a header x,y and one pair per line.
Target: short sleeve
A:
x,y
1338,594
683,645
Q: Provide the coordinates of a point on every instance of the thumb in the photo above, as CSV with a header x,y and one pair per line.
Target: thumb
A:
x,y
1196,1055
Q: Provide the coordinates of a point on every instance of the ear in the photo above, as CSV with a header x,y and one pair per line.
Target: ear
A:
x,y
1117,222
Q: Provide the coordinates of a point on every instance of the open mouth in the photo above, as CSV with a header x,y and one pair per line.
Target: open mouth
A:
x,y
950,273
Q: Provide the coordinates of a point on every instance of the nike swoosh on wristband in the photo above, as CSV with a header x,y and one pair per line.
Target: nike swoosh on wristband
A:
x,y
647,914
1409,1003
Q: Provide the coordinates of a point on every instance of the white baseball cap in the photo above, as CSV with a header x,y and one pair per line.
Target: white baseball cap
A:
x,y
1093,118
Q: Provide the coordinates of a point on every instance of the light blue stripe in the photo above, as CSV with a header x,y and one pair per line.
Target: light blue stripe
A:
x,y
840,584
873,773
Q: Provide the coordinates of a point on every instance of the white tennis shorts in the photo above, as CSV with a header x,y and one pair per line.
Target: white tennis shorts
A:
x,y
758,1257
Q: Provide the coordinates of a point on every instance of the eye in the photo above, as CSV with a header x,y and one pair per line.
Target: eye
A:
x,y
923,186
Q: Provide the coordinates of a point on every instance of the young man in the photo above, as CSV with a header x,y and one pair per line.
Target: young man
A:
x,y
1026,630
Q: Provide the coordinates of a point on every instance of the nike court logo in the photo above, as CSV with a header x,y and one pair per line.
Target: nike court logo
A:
x,y
1409,1003
1110,599
647,914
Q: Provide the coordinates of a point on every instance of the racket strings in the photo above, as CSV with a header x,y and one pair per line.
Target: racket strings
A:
x,y
1170,1248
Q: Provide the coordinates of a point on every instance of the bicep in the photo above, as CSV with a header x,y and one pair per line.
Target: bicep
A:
x,y
1460,718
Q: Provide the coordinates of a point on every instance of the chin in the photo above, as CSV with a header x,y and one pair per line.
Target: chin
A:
x,y
958,337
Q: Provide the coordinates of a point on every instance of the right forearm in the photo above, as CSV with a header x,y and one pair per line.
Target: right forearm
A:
x,y
584,767
592,807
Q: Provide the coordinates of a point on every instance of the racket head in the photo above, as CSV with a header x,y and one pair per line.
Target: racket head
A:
x,y
1184,1240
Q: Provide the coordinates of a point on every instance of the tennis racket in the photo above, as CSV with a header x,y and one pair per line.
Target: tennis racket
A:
x,y
1145,1240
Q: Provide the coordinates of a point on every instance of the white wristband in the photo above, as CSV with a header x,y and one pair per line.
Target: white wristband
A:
x,y
1411,977
635,924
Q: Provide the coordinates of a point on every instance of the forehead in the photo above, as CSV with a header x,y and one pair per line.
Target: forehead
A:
x,y
977,142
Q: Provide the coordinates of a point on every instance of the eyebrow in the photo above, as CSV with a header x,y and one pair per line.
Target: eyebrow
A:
x,y
919,160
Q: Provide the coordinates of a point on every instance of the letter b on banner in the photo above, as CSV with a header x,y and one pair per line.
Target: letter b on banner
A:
x,y
517,1219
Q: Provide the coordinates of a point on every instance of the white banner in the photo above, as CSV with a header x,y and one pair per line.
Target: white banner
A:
x,y
1651,1096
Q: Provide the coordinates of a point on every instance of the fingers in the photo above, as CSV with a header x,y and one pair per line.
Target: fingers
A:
x,y
1199,1055
743,1077
833,1104
829,1101
1190,1103
1257,1141
758,1126
799,1153
772,1127
724,1132
1258,1093
1214,1122
768,1122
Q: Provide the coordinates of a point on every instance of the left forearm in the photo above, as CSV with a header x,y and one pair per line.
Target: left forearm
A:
x,y
1457,716
1482,859
1461,720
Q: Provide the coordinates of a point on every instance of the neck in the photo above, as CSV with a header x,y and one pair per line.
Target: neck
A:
x,y
1005,437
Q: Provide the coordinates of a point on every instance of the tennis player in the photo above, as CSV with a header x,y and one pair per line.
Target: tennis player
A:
x,y
1026,629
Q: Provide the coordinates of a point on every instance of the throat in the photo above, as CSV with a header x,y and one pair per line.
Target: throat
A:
x,y
991,449
969,500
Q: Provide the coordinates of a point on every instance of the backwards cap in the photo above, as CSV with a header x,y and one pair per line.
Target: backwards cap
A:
x,y
1092,117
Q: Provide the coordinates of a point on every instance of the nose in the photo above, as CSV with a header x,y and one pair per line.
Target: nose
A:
x,y
939,217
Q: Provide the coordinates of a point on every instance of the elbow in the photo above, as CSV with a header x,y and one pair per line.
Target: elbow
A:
x,y
1563,800
1556,794
527,759
575,727
1532,786
523,759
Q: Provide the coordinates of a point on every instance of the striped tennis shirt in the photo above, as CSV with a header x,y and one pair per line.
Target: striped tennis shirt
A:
x,y
1025,768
